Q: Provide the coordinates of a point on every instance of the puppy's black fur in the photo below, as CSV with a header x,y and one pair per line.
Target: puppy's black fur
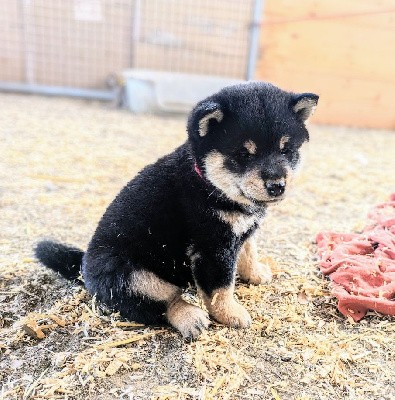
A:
x,y
183,220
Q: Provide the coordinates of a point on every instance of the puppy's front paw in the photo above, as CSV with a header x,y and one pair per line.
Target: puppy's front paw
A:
x,y
260,274
188,319
233,314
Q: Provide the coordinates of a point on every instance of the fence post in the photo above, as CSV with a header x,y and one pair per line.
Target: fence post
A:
x,y
254,39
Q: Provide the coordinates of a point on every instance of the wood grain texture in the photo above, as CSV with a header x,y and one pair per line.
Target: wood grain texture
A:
x,y
343,51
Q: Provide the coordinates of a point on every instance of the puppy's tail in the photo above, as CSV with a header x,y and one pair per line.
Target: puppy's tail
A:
x,y
60,258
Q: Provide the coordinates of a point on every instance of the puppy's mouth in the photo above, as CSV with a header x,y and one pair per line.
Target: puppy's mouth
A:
x,y
260,202
275,200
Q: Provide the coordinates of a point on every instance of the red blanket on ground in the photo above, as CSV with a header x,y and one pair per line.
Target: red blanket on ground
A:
x,y
362,265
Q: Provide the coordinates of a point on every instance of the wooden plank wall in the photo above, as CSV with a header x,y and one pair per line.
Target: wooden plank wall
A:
x,y
342,50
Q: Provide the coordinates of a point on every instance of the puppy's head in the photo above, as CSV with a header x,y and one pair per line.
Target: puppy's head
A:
x,y
246,140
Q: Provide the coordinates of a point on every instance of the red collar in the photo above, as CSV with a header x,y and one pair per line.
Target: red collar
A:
x,y
197,170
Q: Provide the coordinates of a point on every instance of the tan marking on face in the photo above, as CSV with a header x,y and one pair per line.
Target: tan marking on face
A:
x,y
222,178
239,222
203,123
250,146
290,176
253,186
277,181
146,283
303,154
239,188
283,141
222,306
248,267
190,320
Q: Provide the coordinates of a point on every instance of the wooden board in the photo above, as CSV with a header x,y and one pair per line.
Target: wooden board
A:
x,y
342,50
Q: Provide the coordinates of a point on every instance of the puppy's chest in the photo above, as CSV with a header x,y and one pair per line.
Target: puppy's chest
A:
x,y
240,223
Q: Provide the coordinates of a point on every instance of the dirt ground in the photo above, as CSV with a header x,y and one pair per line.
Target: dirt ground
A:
x,y
62,161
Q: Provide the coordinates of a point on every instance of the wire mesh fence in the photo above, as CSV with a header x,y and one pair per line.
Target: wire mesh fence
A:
x,y
81,43
208,37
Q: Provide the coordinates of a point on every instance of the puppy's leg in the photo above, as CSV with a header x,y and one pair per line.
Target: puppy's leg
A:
x,y
138,295
248,266
215,280
190,320
223,307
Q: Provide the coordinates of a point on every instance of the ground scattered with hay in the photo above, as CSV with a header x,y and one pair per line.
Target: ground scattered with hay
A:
x,y
63,161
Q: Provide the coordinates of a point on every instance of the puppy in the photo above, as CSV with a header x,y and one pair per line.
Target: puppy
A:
x,y
190,218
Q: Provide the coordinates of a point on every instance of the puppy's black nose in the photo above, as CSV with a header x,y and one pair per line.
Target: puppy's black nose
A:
x,y
275,189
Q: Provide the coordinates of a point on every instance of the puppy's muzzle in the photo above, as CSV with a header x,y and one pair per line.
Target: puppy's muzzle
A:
x,y
275,188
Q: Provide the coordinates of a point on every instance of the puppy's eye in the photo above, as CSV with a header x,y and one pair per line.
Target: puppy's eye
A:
x,y
286,151
243,155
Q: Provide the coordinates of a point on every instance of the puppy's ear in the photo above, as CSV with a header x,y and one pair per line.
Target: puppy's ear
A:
x,y
203,116
304,105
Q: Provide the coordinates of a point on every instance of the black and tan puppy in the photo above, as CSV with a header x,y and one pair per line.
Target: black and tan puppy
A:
x,y
190,218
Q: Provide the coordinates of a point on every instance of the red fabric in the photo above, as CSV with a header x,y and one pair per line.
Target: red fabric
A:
x,y
362,265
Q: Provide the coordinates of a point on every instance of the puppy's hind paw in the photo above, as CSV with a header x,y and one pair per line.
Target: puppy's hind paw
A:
x,y
190,320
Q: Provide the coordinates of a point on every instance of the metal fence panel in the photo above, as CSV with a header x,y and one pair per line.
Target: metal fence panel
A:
x,y
80,43
207,37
